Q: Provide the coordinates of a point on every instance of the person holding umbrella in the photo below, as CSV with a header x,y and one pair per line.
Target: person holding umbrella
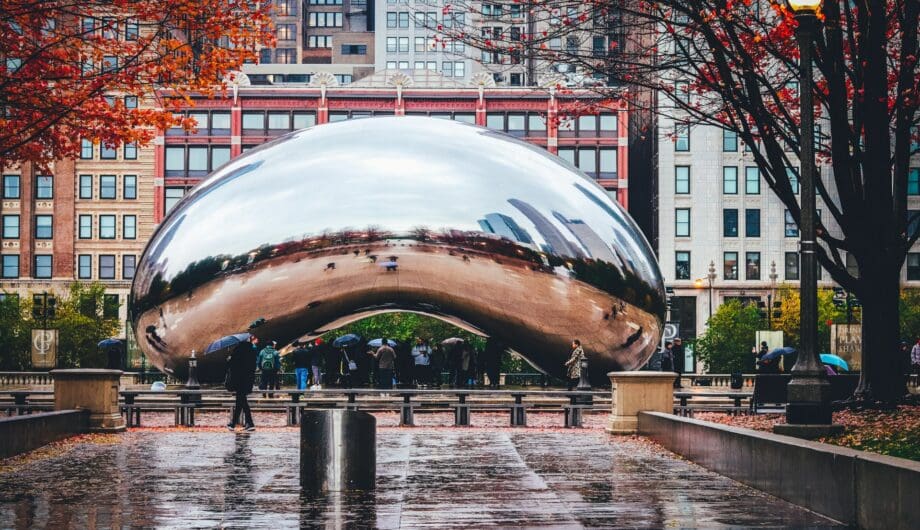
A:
x,y
241,366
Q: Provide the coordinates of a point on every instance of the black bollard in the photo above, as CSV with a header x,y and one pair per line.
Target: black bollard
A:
x,y
584,384
192,382
338,450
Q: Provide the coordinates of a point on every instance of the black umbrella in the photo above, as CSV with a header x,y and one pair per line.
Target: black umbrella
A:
x,y
347,341
225,343
108,343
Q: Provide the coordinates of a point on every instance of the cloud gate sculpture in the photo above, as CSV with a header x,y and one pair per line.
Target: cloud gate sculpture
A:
x,y
334,223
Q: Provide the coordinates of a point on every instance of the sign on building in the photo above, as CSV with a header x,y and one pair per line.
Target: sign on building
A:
x,y
846,342
44,348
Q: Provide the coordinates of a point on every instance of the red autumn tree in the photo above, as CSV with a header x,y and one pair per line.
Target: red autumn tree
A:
x,y
733,64
66,66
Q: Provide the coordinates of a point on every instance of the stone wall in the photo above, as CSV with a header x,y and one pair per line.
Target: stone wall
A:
x,y
19,434
854,487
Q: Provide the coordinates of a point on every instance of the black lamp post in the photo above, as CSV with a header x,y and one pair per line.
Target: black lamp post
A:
x,y
773,276
808,414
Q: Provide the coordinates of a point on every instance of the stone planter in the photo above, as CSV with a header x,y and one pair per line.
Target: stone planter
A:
x,y
95,390
638,391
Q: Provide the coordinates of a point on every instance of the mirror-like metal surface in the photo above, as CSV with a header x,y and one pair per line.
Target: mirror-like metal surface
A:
x,y
330,224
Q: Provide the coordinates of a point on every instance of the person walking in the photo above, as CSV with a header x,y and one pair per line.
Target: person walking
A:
x,y
317,356
242,375
573,365
302,364
492,360
915,358
270,363
386,364
421,354
667,358
677,357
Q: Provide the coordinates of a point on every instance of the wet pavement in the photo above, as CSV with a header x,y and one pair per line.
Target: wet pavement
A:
x,y
427,477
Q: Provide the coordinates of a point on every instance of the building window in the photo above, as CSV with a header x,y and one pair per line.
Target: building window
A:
x,y
129,227
327,20
391,19
791,228
459,68
913,266
608,162
44,227
682,180
86,149
197,160
42,266
608,122
752,222
107,152
793,175
10,227
44,187
319,41
84,266
11,266
107,186
730,222
404,19
220,123
286,32
279,121
128,266
681,136
285,56
110,305
132,29
10,186
106,267
752,181
495,121
219,157
730,180
682,222
681,265
130,151
567,154
587,125
517,123
752,267
730,265
729,141
85,230
391,44
792,265
106,227
175,160
86,186
254,121
361,49
587,160
130,187
913,181
172,197
302,120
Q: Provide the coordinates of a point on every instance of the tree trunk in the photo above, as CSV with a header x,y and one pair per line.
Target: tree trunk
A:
x,y
882,378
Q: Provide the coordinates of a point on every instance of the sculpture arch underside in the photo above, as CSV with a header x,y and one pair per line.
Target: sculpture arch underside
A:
x,y
436,217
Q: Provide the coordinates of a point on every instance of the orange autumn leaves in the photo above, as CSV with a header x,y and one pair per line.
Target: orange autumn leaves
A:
x,y
70,65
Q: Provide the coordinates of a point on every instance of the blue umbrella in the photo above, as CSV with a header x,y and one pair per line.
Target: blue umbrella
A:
x,y
376,343
347,341
833,360
108,343
225,343
778,352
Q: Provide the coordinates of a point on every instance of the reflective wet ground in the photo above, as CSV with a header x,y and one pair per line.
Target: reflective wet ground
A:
x,y
427,477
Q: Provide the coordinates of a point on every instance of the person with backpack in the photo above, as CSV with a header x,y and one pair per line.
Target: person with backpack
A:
x,y
241,375
270,363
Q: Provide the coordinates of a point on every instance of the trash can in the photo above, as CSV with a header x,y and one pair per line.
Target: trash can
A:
x,y
338,450
737,381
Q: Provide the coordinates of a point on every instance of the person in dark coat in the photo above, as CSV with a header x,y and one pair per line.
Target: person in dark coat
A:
x,y
302,364
386,364
113,358
242,367
492,360
317,357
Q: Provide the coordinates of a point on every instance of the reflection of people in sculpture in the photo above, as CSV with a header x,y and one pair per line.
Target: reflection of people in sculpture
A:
x,y
573,365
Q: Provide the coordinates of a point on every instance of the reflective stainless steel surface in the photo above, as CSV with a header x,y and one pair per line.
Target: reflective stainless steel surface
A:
x,y
338,450
334,223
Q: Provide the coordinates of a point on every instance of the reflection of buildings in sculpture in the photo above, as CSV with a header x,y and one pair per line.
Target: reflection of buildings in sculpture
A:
x,y
505,226
591,241
554,241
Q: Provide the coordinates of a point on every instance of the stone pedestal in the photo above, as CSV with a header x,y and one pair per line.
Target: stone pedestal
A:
x,y
639,391
95,390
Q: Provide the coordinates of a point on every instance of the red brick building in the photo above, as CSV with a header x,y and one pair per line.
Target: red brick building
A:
x,y
595,142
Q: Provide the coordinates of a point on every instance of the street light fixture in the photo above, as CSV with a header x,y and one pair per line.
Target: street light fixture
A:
x,y
808,413
698,283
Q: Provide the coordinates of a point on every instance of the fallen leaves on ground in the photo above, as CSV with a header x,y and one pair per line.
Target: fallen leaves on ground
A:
x,y
888,432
